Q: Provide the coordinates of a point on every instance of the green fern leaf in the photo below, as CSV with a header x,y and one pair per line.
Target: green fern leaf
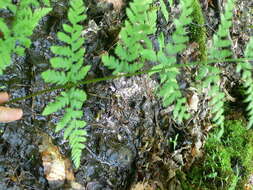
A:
x,y
246,69
60,102
62,50
67,28
210,75
55,77
134,39
69,68
170,90
64,37
16,36
61,63
164,10
73,125
4,29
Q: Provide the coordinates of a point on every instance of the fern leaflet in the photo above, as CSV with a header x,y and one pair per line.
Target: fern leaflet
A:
x,y
246,69
68,68
134,47
164,10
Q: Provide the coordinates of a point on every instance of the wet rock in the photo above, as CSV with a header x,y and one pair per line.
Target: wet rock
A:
x,y
94,186
60,8
19,159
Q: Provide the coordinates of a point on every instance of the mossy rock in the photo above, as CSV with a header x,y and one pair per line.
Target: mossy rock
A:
x,y
227,163
198,30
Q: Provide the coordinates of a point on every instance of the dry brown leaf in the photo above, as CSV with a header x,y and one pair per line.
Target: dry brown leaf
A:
x,y
247,187
193,102
57,169
117,4
142,186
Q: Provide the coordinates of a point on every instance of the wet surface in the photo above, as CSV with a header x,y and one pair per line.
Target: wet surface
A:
x,y
131,137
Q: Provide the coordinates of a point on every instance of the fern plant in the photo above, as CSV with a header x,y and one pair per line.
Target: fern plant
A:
x,y
169,89
68,69
210,75
16,35
134,47
132,53
246,69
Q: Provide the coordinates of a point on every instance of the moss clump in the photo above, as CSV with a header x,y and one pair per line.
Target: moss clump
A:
x,y
198,30
228,161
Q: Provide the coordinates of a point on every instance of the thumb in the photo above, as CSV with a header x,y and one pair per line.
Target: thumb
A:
x,y
9,114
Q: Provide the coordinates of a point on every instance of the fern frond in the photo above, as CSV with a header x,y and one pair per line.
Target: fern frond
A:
x,y
133,39
68,68
16,37
246,69
220,41
210,75
170,90
60,102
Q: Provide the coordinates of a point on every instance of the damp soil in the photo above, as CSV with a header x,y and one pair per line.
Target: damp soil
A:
x,y
130,135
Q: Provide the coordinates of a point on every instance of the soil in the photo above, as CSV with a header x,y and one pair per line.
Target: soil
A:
x,y
130,134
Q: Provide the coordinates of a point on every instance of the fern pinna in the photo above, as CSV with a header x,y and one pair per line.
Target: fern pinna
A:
x,y
15,36
166,56
134,46
69,69
210,75
246,69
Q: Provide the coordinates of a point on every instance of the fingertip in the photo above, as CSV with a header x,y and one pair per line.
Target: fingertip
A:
x,y
19,114
10,114
4,97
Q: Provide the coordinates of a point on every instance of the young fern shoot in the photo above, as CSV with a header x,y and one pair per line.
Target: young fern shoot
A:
x,y
210,75
69,69
134,46
246,69
15,37
166,56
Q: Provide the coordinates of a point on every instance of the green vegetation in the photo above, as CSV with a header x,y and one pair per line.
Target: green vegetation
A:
x,y
133,51
68,68
169,88
246,68
15,35
198,29
133,38
209,75
227,162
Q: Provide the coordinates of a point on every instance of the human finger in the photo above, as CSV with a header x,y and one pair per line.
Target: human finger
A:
x,y
9,114
4,97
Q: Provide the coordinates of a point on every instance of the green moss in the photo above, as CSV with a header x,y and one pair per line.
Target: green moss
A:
x,y
198,30
227,163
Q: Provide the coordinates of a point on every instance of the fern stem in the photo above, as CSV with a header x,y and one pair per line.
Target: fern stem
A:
x,y
96,80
